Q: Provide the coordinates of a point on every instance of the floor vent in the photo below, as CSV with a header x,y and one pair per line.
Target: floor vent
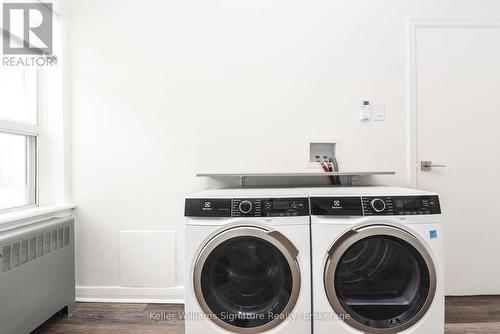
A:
x,y
20,253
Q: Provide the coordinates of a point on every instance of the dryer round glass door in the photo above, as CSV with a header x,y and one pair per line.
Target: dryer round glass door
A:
x,y
382,277
247,279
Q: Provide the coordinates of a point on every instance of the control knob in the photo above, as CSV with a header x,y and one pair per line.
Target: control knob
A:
x,y
245,206
378,205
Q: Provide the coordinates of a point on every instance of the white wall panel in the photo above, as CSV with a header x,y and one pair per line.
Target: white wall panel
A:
x,y
163,89
147,259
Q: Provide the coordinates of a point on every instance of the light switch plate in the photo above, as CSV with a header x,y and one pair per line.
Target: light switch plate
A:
x,y
378,112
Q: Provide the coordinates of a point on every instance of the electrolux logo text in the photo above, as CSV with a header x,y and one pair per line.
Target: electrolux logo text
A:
x,y
337,204
28,34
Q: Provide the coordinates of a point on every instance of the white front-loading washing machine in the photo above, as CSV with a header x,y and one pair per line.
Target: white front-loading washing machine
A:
x,y
377,261
247,254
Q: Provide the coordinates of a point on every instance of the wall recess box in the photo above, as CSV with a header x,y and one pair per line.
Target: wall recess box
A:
x,y
321,148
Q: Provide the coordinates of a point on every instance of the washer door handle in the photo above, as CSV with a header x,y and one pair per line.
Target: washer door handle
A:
x,y
292,250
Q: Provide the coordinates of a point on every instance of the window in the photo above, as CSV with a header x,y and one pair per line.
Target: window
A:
x,y
18,136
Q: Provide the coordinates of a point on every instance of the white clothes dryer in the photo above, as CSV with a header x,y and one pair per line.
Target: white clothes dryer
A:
x,y
377,261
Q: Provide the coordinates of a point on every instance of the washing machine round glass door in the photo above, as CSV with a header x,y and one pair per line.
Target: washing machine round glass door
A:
x,y
247,279
380,279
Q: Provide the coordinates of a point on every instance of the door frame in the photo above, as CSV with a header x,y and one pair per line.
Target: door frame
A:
x,y
413,26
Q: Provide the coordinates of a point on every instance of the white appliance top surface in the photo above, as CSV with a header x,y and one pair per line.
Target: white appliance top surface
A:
x,y
363,191
248,193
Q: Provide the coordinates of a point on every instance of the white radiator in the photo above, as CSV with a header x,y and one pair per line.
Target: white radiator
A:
x,y
37,274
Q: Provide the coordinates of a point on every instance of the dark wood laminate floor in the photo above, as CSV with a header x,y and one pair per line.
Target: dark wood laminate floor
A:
x,y
464,315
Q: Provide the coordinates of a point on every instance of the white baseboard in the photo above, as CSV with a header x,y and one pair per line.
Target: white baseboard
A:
x,y
118,294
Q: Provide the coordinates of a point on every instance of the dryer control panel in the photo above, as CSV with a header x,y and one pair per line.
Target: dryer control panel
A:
x,y
376,206
401,205
270,207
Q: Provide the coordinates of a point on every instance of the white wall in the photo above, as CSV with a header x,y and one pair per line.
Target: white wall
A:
x,y
163,89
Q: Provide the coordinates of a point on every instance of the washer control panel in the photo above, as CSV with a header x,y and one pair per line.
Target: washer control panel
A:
x,y
270,207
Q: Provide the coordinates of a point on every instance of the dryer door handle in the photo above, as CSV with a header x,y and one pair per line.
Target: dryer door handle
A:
x,y
344,237
292,250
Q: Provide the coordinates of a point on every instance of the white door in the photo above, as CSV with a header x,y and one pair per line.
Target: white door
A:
x,y
457,109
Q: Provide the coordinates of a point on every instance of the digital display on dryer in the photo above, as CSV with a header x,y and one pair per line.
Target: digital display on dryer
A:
x,y
419,205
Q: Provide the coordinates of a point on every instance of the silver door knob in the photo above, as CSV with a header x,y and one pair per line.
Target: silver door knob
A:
x,y
426,165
